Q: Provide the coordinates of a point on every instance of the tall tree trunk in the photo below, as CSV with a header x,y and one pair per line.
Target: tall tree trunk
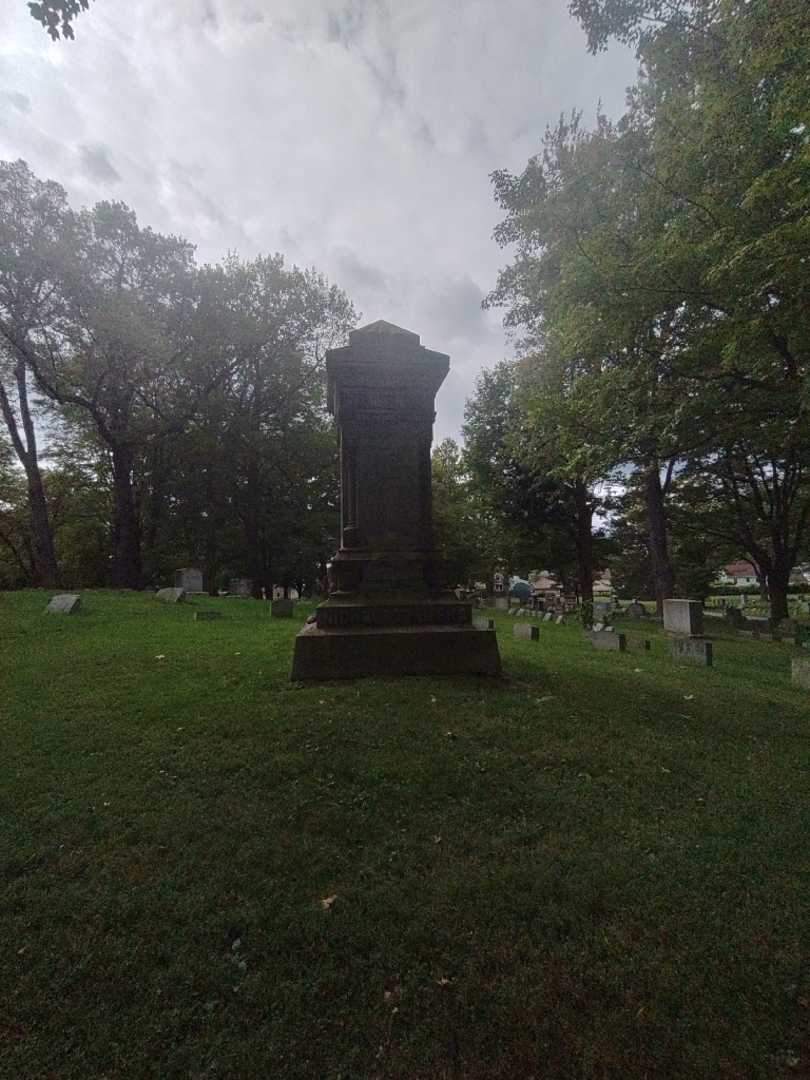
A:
x,y
127,572
46,570
250,524
778,580
659,549
584,541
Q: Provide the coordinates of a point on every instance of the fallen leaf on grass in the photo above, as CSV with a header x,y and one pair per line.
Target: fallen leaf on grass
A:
x,y
327,902
162,656
688,697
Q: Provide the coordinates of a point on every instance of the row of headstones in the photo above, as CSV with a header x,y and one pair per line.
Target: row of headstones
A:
x,y
765,629
542,616
70,603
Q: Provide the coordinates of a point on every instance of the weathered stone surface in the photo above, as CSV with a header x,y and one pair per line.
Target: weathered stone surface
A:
x,y
406,650
560,620
189,578
638,644
636,610
64,604
800,672
548,616
241,586
683,617
171,596
692,651
526,631
607,640
598,627
206,616
484,624
501,603
282,609
387,611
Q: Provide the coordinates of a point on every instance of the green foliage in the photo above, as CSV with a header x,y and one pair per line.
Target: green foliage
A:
x,y
659,281
57,16
194,395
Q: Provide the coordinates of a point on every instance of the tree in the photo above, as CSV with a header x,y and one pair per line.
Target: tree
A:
x,y
541,512
659,261
33,219
57,16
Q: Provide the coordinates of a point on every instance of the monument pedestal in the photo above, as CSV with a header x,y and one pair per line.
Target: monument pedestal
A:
x,y
395,650
387,613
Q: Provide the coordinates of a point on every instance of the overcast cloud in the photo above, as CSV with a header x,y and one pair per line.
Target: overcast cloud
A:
x,y
353,135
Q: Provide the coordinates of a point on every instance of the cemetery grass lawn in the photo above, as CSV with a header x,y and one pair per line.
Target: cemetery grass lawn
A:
x,y
595,869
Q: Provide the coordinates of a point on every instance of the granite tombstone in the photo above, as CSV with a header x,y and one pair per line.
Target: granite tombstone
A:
x,y
388,613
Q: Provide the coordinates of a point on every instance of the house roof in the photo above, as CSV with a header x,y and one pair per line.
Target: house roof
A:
x,y
740,569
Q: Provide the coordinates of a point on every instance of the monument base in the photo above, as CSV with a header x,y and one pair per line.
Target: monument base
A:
x,y
395,650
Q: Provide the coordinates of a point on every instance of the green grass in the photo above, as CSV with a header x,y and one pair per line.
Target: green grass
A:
x,y
597,868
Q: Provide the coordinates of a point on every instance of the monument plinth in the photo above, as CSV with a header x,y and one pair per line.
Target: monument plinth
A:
x,y
387,612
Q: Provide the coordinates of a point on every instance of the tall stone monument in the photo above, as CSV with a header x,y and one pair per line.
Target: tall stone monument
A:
x,y
387,611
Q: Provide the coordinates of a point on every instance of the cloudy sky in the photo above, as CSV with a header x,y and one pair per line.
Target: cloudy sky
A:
x,y
353,135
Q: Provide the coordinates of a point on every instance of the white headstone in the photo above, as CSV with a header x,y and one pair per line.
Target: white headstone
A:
x,y
683,617
64,604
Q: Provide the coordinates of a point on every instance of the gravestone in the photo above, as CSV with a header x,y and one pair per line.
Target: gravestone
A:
x,y
241,586
282,609
501,603
171,596
692,651
607,640
548,616
638,644
636,610
527,632
484,624
602,607
801,636
388,612
735,618
683,617
800,672
206,616
64,604
598,627
190,579
560,620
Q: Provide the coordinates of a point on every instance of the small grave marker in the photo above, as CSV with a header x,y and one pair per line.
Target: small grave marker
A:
x,y
683,617
527,632
560,620
282,609
64,604
171,596
692,651
639,644
607,640
548,616
190,579
636,610
800,672
241,586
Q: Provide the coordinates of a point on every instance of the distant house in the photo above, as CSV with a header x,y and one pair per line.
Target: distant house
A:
x,y
543,582
602,584
738,573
